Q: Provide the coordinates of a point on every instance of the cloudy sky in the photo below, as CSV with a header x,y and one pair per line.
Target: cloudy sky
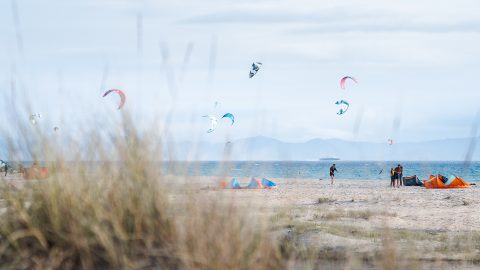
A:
x,y
417,64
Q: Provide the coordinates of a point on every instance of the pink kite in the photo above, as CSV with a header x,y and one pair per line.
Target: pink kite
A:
x,y
342,81
120,93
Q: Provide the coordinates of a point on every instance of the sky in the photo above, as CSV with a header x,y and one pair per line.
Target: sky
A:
x,y
416,63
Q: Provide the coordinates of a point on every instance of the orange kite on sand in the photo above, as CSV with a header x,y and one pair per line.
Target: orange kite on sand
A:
x,y
441,181
35,172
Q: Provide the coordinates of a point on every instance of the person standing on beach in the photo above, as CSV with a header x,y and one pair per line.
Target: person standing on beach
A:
x,y
397,175
333,169
6,168
400,176
392,177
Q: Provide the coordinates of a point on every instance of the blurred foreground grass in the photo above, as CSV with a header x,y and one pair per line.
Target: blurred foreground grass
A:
x,y
118,215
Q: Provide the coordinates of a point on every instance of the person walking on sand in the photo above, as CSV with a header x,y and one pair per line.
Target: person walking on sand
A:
x,y
333,169
6,168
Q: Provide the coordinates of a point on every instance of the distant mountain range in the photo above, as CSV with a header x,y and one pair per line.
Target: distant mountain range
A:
x,y
264,148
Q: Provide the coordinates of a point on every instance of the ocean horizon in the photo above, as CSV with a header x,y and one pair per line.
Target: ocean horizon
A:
x,y
347,170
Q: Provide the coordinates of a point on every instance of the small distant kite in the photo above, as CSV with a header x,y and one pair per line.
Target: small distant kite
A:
x,y
120,93
56,129
229,115
217,104
34,118
390,141
213,123
342,81
344,105
255,68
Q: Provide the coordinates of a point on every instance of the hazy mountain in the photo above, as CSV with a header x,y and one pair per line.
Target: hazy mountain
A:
x,y
264,148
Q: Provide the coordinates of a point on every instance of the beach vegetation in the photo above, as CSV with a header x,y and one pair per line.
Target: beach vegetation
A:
x,y
323,200
122,214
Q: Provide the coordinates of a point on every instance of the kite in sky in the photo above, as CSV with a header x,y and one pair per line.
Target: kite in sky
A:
x,y
255,68
344,105
229,115
342,81
34,118
213,123
120,93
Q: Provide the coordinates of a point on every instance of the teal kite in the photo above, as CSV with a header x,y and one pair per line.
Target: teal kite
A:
x,y
229,115
344,105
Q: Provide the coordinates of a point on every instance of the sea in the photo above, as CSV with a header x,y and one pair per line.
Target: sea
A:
x,y
347,170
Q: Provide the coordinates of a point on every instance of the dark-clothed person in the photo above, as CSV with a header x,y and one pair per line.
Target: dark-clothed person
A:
x,y
333,169
393,177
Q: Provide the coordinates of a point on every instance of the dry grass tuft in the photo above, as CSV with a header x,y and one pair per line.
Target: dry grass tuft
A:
x,y
118,215
322,200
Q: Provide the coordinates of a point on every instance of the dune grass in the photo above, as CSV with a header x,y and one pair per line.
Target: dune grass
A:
x,y
118,215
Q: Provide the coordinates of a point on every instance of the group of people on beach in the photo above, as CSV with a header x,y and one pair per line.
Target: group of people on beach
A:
x,y
396,176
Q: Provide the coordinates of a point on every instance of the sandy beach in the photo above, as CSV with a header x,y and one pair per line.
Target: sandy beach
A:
x,y
412,207
356,217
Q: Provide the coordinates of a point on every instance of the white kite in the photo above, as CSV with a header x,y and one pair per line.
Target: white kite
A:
x,y
213,123
34,118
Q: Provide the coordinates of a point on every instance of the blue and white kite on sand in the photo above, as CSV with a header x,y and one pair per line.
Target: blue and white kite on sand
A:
x,y
344,105
229,115
213,123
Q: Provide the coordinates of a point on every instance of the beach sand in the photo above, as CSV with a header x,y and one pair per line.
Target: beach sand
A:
x,y
357,217
354,218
